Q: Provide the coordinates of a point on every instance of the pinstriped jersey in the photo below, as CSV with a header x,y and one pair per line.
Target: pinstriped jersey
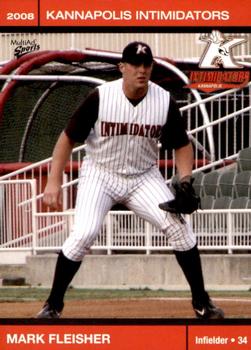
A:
x,y
124,138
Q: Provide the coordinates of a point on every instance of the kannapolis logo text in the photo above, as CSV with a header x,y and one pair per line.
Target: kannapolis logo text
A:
x,y
23,47
209,81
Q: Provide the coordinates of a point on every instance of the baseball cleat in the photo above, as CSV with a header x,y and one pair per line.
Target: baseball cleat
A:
x,y
48,312
208,311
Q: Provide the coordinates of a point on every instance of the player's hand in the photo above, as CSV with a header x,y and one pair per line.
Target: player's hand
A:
x,y
185,202
53,195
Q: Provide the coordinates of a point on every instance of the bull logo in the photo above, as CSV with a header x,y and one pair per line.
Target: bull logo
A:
x,y
218,52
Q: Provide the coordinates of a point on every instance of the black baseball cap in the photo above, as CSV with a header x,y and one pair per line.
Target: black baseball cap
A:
x,y
137,53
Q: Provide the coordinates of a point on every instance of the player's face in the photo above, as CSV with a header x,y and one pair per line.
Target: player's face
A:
x,y
136,77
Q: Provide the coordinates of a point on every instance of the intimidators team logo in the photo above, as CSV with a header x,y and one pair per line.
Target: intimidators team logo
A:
x,y
218,67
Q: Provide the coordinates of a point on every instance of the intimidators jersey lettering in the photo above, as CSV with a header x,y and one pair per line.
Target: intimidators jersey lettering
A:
x,y
144,130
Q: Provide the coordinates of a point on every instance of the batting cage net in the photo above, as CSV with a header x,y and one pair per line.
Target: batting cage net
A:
x,y
37,111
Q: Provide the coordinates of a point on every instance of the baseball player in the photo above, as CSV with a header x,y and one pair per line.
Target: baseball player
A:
x,y
121,123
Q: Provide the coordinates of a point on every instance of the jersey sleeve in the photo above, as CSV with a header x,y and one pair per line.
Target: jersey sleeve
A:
x,y
84,118
173,133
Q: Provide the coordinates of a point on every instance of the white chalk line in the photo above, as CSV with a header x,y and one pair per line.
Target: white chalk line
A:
x,y
232,299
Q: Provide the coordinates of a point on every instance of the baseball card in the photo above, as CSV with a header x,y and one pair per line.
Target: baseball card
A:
x,y
125,175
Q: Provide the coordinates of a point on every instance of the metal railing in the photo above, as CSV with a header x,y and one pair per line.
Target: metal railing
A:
x,y
18,222
218,230
24,229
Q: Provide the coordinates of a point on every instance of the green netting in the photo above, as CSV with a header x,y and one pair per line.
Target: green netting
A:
x,y
51,118
16,113
45,110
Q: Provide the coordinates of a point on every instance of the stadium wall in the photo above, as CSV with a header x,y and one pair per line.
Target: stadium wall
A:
x,y
159,271
171,45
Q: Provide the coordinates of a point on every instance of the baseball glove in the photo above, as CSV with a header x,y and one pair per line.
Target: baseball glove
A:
x,y
185,201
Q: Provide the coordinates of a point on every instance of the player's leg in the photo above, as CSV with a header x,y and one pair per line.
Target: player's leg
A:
x,y
144,202
190,264
92,205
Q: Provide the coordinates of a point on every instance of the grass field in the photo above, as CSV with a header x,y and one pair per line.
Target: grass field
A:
x,y
38,294
25,302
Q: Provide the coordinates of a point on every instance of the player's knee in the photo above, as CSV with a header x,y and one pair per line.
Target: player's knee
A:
x,y
75,253
173,223
76,247
183,244
180,236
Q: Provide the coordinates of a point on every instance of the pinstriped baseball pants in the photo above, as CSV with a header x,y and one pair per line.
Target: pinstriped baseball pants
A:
x,y
99,189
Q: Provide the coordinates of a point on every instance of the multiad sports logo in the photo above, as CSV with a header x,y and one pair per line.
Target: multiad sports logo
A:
x,y
23,47
219,68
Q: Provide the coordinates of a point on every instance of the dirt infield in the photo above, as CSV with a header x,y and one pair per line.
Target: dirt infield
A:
x,y
127,308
